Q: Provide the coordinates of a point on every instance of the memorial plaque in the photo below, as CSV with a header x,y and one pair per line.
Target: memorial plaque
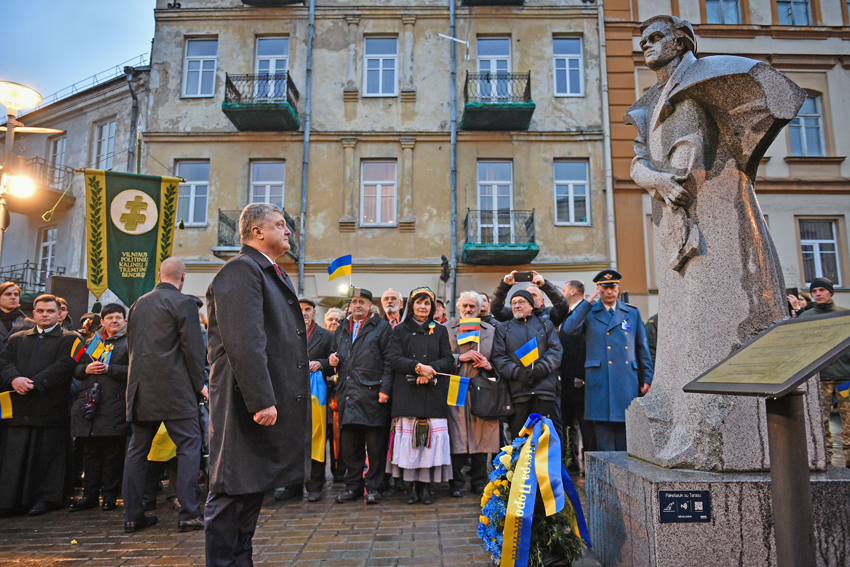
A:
x,y
685,505
780,358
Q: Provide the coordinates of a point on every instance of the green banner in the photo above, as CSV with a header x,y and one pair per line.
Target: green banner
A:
x,y
130,231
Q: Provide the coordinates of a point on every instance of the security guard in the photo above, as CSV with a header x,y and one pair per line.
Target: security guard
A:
x,y
617,353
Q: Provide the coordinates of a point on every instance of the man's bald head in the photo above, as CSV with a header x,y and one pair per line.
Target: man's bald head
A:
x,y
172,271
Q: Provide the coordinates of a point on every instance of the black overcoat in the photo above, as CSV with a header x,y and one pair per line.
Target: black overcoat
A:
x,y
363,366
166,364
258,358
319,344
110,415
22,323
413,344
44,358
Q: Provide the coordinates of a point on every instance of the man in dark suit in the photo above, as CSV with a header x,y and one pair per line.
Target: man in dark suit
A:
x,y
319,342
260,416
165,381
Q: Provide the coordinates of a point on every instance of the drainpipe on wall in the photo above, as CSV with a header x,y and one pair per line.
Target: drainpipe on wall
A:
x,y
130,72
453,257
302,237
606,141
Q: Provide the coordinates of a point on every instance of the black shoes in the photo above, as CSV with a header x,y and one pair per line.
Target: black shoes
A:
x,y
314,496
190,525
349,496
412,495
427,496
457,492
286,493
373,498
41,508
84,503
109,505
146,522
477,489
148,506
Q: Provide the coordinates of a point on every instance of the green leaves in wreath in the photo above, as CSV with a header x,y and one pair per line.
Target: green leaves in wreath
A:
x,y
96,244
168,205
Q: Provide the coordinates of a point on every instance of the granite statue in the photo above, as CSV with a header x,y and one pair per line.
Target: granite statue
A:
x,y
702,131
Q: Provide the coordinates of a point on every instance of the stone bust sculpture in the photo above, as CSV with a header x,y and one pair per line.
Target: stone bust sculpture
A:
x,y
702,131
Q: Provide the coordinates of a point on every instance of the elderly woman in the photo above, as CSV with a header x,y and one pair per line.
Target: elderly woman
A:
x,y
471,436
420,452
332,318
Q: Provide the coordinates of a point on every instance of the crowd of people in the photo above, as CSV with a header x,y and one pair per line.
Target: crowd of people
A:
x,y
89,404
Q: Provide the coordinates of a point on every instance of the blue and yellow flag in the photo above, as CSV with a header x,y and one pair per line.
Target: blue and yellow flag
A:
x,y
469,331
96,347
339,267
458,385
528,352
5,405
162,448
843,389
319,395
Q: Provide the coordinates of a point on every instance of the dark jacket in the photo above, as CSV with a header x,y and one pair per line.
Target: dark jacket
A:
x,y
22,323
110,415
572,365
413,344
166,368
46,360
557,313
524,382
652,335
838,371
258,357
363,366
319,344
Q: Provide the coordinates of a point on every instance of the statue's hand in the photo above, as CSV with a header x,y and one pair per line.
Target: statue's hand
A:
x,y
671,190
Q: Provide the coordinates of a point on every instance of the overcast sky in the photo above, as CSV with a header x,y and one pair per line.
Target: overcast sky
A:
x,y
51,44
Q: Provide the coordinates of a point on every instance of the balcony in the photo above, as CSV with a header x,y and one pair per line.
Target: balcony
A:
x,y
492,2
497,101
31,277
50,180
499,238
261,103
271,3
228,235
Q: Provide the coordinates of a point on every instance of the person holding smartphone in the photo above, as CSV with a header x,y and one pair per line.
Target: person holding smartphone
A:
x,y
538,287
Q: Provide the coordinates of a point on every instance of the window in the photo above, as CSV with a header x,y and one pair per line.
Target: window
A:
x,y
46,253
805,131
722,12
57,161
199,78
194,193
104,145
571,194
793,12
272,59
820,250
495,198
494,64
378,193
568,66
381,58
267,182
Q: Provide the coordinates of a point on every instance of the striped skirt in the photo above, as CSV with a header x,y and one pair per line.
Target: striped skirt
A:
x,y
412,460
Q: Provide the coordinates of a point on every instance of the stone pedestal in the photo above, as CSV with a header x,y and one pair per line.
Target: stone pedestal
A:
x,y
625,528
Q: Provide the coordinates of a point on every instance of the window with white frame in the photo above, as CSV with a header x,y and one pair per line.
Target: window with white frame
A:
x,y
194,192
722,12
377,193
199,67
380,64
494,67
104,144
569,75
47,238
267,179
272,60
57,160
806,130
495,201
794,12
820,250
571,193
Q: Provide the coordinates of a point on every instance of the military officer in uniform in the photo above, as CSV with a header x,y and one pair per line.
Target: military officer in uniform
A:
x,y
617,357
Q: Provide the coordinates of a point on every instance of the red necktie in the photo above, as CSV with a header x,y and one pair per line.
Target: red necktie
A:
x,y
277,269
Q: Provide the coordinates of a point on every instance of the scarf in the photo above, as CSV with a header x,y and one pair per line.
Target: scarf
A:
x,y
310,329
8,319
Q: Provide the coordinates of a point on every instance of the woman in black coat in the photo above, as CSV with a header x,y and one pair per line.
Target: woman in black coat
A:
x,y
102,429
420,450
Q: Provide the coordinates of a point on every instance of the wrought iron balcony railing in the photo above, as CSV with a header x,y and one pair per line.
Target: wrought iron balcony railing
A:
x,y
495,88
47,174
228,231
260,88
30,276
501,226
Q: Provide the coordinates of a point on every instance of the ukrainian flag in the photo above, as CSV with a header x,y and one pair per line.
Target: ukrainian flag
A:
x,y
319,394
162,448
96,347
6,405
528,352
843,389
469,331
458,385
339,267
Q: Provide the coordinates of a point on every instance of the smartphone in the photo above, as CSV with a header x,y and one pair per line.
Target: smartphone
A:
x,y
792,291
523,277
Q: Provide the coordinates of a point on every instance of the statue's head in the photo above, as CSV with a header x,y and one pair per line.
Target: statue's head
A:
x,y
663,38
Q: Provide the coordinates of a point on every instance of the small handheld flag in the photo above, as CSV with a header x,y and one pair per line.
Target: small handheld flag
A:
x,y
6,405
458,385
77,350
528,352
843,389
469,331
162,448
339,267
96,347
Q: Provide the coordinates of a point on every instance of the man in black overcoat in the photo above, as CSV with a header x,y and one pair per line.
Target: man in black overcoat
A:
x,y
260,416
37,367
165,382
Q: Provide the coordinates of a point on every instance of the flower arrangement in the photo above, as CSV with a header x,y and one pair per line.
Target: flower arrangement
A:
x,y
552,539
